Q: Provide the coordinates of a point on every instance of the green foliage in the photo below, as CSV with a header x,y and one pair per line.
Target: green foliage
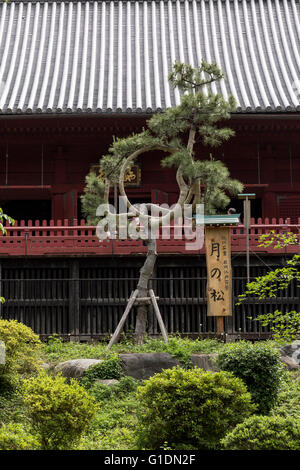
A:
x,y
214,175
288,403
14,437
93,195
197,109
22,347
185,77
259,366
109,369
190,408
264,433
267,286
278,240
59,411
12,408
57,351
5,218
123,147
114,392
285,327
114,426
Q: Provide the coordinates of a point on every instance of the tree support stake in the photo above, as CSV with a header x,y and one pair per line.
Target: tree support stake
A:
x,y
134,300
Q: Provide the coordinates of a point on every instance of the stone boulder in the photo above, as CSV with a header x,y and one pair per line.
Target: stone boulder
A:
x,y
107,382
205,361
75,368
292,350
141,366
289,362
290,355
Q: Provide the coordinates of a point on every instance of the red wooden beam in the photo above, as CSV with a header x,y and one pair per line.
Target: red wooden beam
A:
x,y
39,238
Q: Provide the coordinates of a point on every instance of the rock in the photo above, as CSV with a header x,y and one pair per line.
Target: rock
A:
x,y
107,381
205,361
289,362
141,366
291,350
75,368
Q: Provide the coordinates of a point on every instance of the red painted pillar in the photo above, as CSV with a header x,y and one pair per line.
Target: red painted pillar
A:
x,y
60,167
64,200
268,166
70,205
269,207
57,207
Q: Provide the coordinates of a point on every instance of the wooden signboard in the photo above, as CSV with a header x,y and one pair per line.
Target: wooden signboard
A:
x,y
219,274
132,175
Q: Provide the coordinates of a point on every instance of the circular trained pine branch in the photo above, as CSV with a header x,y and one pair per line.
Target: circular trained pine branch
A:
x,y
183,187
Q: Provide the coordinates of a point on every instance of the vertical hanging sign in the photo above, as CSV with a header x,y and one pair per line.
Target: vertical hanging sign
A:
x,y
219,274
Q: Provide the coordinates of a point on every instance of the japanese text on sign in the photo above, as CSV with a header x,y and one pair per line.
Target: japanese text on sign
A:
x,y
219,279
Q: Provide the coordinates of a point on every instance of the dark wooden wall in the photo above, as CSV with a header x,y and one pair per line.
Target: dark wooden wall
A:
x,y
86,297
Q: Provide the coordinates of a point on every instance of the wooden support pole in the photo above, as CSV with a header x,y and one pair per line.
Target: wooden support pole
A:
x,y
159,317
220,325
118,330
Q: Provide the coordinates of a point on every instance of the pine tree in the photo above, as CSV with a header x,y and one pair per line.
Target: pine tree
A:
x,y
198,117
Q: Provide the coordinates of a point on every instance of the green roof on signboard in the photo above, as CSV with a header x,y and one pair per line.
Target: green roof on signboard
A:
x,y
226,219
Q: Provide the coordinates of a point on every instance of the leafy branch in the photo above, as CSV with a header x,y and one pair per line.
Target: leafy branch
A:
x,y
285,326
278,240
4,218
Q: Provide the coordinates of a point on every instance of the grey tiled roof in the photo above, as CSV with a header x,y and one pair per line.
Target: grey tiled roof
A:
x,y
114,57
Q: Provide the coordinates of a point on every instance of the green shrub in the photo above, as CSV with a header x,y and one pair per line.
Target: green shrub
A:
x,y
264,433
114,392
259,366
15,437
190,408
59,411
22,346
288,403
109,369
12,408
114,426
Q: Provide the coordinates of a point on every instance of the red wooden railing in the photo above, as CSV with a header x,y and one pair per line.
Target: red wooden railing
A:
x,y
60,238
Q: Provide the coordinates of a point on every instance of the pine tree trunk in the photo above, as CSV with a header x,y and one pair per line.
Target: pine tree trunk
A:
x,y
145,276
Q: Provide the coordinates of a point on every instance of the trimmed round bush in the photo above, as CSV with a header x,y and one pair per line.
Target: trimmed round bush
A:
x,y
14,437
264,433
190,408
259,366
22,347
59,411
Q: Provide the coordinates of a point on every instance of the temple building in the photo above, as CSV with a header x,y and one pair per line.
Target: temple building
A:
x,y
75,74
